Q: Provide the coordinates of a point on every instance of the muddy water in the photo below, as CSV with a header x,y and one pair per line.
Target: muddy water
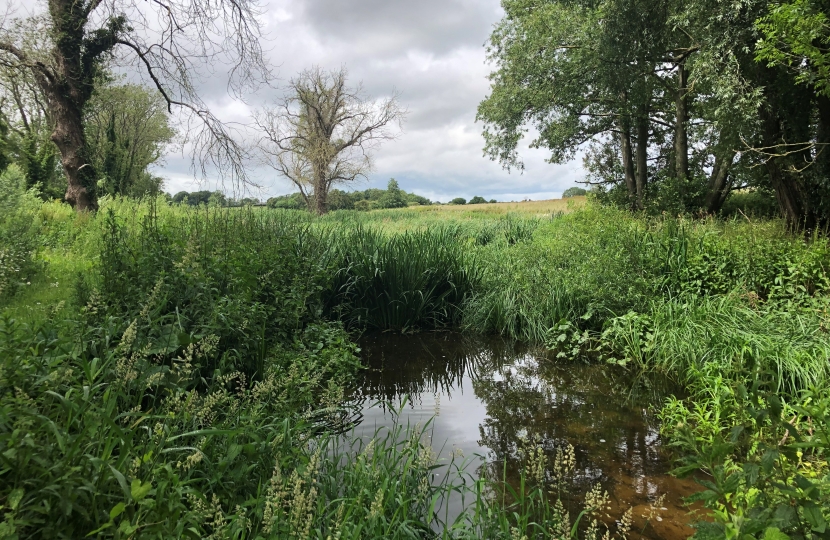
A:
x,y
486,396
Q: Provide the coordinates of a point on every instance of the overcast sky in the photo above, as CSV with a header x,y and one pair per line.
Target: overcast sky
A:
x,y
432,53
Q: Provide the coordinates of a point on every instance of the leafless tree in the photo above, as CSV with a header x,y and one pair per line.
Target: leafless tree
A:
x,y
323,133
170,41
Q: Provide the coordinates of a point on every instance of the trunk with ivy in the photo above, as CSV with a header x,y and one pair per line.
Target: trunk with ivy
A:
x,y
68,86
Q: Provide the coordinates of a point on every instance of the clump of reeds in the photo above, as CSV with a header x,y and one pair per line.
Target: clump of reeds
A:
x,y
416,279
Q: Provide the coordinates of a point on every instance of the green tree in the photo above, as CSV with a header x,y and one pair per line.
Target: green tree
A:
x,y
459,200
394,197
127,129
573,192
477,200
65,50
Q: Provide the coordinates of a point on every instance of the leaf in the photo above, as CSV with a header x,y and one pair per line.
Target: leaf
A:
x,y
774,533
14,498
139,490
117,510
813,515
768,460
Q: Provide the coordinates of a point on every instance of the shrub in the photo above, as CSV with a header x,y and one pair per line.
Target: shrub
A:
x,y
477,200
458,200
574,192
18,232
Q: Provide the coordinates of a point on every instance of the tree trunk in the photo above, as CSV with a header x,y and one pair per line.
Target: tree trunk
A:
x,y
719,184
681,139
642,157
823,136
628,164
321,191
68,135
788,189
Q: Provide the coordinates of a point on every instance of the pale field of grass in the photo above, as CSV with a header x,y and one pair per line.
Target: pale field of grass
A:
x,y
474,215
538,208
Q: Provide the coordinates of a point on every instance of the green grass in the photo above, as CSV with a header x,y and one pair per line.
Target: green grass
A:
x,y
163,360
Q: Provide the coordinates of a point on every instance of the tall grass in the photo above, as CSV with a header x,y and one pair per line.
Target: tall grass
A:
x,y
685,335
411,280
191,380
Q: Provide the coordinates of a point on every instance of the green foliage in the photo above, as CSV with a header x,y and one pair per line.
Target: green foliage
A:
x,y
766,460
477,200
458,200
370,199
192,383
409,281
796,34
753,204
39,161
18,232
394,196
574,192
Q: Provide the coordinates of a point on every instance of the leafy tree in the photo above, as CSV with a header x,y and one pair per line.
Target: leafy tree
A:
x,y
291,202
127,129
668,100
66,50
394,197
493,201
574,192
459,200
324,133
796,34
477,200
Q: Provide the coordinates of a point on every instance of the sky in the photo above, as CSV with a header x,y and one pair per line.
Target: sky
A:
x,y
432,52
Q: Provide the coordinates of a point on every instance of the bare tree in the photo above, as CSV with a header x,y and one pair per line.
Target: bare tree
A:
x,y
168,40
323,133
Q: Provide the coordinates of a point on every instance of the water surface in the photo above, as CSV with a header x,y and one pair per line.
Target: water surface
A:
x,y
487,397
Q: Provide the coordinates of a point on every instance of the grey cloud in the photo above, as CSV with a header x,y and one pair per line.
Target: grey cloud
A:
x,y
390,27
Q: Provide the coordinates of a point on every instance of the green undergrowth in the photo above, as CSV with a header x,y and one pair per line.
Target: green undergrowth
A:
x,y
181,372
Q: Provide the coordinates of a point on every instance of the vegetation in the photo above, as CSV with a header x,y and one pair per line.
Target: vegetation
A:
x,y
574,192
192,376
370,199
323,133
171,367
62,54
678,103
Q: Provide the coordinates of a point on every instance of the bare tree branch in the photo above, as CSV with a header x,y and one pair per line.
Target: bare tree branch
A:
x,y
324,133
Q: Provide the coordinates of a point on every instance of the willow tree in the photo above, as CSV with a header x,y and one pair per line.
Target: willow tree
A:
x,y
323,133
67,46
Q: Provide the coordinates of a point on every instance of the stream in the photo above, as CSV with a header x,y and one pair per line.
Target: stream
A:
x,y
487,396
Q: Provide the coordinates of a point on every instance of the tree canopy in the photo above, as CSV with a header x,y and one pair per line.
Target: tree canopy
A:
x,y
673,105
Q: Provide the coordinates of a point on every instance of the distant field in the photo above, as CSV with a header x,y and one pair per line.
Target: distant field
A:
x,y
530,207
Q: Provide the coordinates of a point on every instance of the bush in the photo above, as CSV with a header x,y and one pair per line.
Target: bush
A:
x,y
754,204
458,200
477,200
574,192
18,232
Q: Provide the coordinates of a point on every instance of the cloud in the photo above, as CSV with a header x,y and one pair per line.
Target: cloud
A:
x,y
432,53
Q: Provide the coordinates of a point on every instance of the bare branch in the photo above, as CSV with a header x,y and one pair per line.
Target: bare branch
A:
x,y
324,132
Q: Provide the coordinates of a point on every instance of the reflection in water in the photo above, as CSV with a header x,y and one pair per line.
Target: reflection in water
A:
x,y
487,396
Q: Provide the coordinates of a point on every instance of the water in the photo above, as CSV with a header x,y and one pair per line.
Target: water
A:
x,y
486,396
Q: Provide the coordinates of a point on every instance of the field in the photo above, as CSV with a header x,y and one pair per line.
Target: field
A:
x,y
179,372
537,208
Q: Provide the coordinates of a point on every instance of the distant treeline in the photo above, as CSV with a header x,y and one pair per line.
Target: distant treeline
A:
x,y
370,199
195,198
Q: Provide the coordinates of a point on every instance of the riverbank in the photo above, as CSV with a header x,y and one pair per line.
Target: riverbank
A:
x,y
183,369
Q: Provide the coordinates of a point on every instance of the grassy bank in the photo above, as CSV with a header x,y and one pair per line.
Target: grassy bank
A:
x,y
172,371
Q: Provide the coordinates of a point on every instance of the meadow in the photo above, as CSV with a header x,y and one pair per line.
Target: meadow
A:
x,y
168,371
